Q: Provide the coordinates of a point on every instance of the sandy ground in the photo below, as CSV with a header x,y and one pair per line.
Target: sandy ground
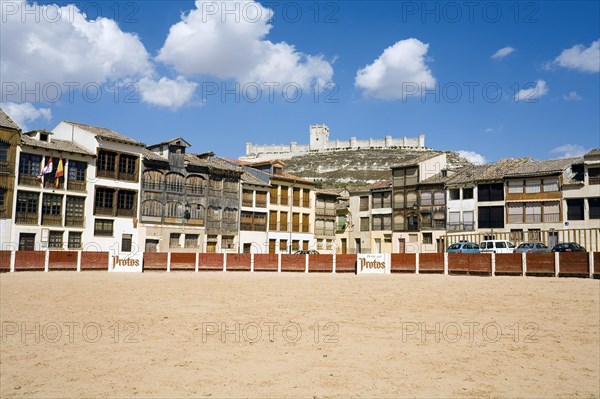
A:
x,y
297,335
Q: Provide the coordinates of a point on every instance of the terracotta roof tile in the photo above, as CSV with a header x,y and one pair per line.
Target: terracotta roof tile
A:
x,y
5,121
107,134
55,145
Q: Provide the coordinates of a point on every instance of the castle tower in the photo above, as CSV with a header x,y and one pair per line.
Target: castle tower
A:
x,y
319,136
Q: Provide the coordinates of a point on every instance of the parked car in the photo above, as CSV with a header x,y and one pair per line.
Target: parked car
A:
x,y
532,247
306,252
568,247
497,246
463,248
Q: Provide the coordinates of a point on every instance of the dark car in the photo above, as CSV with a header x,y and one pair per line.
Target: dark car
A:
x,y
568,247
306,252
532,247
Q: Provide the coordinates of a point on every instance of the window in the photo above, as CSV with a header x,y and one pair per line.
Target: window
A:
x,y
52,210
411,199
194,185
305,222
103,227
399,199
261,199
454,221
106,163
127,167
398,177
126,242
273,220
247,197
550,185
532,186
490,192
231,185
426,198
594,205
382,199
454,194
551,212
516,235
152,208
282,245
125,203
296,196
295,245
515,187
230,214
515,212
77,175
364,203
174,210
534,234
382,222
468,220
55,239
29,169
283,221
153,180
74,240
575,209
427,238
533,212
439,198
104,200
2,197
274,195
295,222
593,175
364,224
3,151
491,217
215,183
412,176
174,183
174,240
27,202
398,221
196,212
306,198
284,195
191,240
467,193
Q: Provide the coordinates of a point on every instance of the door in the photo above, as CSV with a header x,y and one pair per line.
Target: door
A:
x,y
401,245
211,247
378,245
358,246
272,244
26,242
552,239
151,246
344,246
247,248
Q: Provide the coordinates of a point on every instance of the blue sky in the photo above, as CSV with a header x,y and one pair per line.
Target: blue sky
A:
x,y
397,68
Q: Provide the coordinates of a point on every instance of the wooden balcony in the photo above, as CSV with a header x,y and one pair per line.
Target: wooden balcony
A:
x,y
106,174
76,185
125,212
104,211
461,226
26,218
124,176
51,220
74,221
261,204
28,180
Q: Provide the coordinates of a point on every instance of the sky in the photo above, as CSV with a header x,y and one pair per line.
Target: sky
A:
x,y
488,79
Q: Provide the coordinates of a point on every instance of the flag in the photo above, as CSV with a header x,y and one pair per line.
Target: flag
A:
x,y
47,169
59,173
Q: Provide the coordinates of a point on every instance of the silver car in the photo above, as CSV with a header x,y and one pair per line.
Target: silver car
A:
x,y
532,247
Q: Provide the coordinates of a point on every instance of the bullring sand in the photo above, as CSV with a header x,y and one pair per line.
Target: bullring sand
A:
x,y
98,334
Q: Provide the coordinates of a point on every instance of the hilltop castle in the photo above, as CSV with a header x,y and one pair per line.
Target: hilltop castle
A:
x,y
319,142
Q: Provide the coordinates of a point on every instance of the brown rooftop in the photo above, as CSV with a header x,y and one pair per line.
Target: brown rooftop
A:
x,y
6,122
106,134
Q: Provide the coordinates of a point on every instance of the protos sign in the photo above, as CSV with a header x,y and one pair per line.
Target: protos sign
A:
x,y
373,264
127,262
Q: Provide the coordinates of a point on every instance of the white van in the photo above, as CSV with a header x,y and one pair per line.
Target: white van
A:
x,y
497,246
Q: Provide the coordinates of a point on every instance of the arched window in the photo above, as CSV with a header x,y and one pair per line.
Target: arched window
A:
x,y
197,212
426,198
174,183
174,210
152,208
439,198
214,213
195,185
153,180
230,214
231,185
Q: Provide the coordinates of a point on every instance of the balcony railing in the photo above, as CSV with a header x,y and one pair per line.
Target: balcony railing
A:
x,y
125,212
325,232
272,226
152,185
52,220
103,211
551,217
306,203
5,168
325,212
439,224
76,185
261,204
105,173
103,232
305,228
594,180
246,202
26,218
229,226
533,218
29,180
253,227
461,226
74,221
125,176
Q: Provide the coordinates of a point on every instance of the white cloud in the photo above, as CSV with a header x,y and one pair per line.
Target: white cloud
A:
x,y
472,157
533,93
569,151
167,92
580,58
209,41
24,113
503,52
400,71
61,45
572,96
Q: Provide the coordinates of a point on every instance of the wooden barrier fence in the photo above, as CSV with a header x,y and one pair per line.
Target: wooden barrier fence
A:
x,y
582,264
